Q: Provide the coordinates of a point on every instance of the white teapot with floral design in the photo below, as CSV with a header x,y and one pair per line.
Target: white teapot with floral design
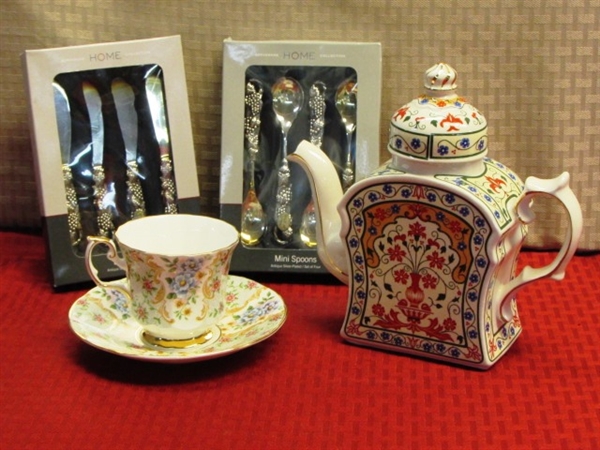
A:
x,y
428,244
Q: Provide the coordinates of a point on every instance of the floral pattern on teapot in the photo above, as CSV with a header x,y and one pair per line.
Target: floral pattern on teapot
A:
x,y
438,128
419,264
496,186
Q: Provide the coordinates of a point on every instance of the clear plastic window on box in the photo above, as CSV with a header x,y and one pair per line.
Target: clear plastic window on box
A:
x,y
115,148
283,106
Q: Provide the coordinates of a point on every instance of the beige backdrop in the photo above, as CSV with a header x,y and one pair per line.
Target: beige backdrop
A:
x,y
532,68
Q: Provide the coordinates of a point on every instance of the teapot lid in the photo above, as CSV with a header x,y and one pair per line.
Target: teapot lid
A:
x,y
439,125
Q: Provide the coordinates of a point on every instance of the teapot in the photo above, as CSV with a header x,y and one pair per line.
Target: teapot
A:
x,y
428,243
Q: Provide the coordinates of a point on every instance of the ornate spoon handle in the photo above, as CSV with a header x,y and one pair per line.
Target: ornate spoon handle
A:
x,y
104,219
316,103
283,200
253,101
348,172
73,217
135,196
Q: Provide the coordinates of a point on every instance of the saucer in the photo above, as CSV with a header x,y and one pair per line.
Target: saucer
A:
x,y
253,313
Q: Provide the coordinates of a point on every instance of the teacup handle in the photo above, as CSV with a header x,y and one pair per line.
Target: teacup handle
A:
x,y
559,188
112,255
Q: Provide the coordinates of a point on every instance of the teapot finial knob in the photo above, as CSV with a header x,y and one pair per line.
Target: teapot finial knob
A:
x,y
440,78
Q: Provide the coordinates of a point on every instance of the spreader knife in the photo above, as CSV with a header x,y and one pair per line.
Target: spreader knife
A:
x,y
94,106
128,121
63,119
154,92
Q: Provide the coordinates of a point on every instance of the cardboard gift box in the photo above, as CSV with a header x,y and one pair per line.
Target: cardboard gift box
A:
x,y
276,94
112,140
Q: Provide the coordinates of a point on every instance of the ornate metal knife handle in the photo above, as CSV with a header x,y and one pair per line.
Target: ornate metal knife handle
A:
x,y
167,182
105,224
73,217
135,196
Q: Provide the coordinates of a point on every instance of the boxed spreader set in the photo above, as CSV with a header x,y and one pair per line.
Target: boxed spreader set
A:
x,y
112,139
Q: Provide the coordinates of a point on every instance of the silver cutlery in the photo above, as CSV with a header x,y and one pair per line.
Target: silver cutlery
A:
x,y
94,106
124,99
288,98
316,103
63,118
253,216
154,93
345,102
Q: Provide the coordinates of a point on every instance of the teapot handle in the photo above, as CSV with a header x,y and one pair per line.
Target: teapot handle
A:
x,y
559,188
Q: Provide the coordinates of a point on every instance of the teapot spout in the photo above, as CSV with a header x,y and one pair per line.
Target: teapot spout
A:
x,y
327,194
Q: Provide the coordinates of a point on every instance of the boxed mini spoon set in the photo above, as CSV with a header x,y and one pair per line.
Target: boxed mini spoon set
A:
x,y
112,139
276,94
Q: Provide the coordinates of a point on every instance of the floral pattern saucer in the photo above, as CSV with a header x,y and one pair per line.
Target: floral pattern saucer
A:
x,y
254,313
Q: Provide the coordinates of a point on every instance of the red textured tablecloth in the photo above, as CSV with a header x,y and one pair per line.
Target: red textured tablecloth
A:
x,y
303,388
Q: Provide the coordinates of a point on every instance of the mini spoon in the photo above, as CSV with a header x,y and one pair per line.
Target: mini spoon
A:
x,y
345,102
287,102
316,103
253,217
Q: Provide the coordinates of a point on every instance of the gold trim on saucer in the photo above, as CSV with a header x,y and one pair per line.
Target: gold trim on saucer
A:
x,y
179,343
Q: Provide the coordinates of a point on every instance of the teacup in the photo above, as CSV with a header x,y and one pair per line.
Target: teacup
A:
x,y
176,267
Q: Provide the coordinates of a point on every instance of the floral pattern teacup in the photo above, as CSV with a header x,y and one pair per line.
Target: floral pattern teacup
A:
x,y
176,267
